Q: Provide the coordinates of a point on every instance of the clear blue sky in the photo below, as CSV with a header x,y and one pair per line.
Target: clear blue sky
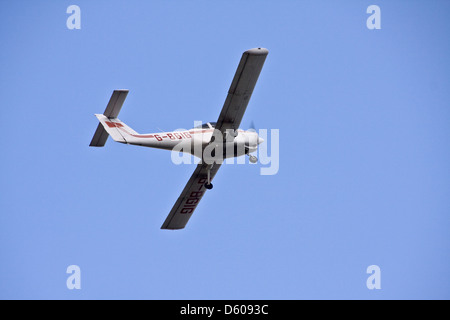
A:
x,y
364,150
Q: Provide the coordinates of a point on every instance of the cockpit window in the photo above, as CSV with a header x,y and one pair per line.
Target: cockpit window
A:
x,y
202,126
206,126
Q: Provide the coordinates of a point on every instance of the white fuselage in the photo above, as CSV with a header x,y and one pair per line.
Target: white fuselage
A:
x,y
197,141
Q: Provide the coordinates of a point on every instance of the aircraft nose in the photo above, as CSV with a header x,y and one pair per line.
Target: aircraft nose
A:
x,y
260,140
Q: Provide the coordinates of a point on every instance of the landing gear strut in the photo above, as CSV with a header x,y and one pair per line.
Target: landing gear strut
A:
x,y
208,184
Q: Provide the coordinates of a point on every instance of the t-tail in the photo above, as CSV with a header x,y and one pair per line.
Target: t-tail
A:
x,y
109,124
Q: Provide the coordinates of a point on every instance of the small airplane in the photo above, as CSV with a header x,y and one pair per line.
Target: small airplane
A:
x,y
212,142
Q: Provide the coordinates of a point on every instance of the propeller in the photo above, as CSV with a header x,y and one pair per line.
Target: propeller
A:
x,y
252,127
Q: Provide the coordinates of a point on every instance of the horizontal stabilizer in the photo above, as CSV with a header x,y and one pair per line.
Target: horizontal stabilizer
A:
x,y
115,103
100,137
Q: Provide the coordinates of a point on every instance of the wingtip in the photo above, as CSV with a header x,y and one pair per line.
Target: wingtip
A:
x,y
257,51
167,228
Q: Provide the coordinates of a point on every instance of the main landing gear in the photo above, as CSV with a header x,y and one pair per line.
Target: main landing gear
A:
x,y
208,184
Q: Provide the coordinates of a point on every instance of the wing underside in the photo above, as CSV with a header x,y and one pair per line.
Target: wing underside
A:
x,y
190,197
241,89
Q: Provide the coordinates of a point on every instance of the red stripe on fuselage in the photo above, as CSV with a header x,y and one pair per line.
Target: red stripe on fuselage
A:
x,y
121,127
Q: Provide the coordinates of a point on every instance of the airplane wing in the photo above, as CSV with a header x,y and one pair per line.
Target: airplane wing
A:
x,y
230,117
241,89
189,198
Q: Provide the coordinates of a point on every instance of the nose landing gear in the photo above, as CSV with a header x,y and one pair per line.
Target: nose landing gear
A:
x,y
253,159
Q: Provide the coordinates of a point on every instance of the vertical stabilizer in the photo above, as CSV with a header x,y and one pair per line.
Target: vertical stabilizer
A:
x,y
111,112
